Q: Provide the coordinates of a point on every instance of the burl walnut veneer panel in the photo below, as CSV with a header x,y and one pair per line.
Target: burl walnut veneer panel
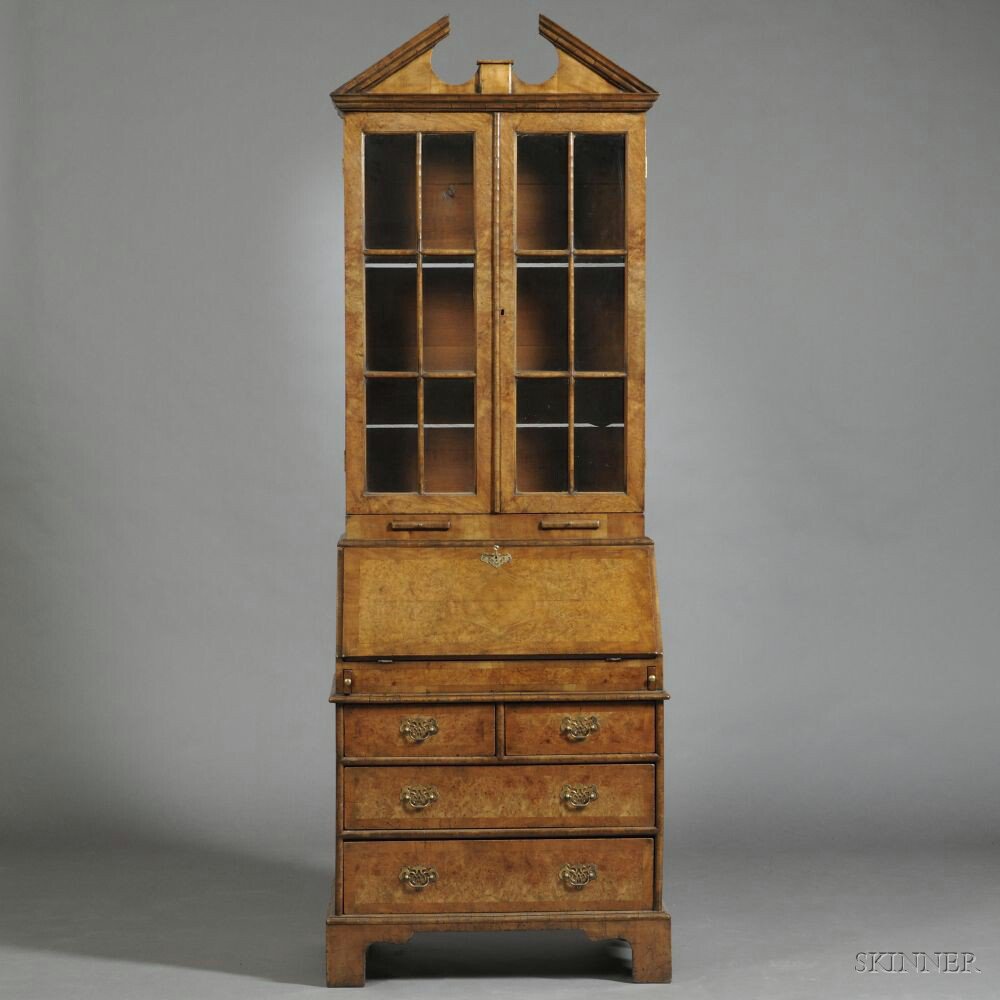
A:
x,y
499,876
445,601
592,728
451,731
499,797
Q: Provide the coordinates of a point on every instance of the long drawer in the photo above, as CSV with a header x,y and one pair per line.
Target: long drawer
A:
x,y
498,876
497,796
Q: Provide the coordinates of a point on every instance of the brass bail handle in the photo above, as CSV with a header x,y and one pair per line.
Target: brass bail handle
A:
x,y
418,876
578,796
577,876
416,728
418,796
577,728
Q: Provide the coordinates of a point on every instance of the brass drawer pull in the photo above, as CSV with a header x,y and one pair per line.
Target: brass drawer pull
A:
x,y
420,525
416,729
577,728
418,796
496,558
577,876
418,876
569,525
578,796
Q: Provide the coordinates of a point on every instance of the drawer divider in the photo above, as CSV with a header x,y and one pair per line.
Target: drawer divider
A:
x,y
501,730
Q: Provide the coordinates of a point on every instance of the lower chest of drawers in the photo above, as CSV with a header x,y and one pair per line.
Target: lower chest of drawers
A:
x,y
498,808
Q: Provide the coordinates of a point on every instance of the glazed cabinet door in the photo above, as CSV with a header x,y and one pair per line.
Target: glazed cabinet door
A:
x,y
571,312
418,205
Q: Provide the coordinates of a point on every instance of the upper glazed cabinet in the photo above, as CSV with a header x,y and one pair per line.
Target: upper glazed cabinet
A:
x,y
496,265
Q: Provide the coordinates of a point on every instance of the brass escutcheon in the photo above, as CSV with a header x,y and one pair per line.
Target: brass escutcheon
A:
x,y
418,796
579,727
578,796
418,876
496,558
577,876
416,729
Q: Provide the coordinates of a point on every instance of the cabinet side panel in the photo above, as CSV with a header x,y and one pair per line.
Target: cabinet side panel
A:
x,y
354,313
635,306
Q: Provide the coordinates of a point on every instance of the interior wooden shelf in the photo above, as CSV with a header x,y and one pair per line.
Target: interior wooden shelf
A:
x,y
542,435
543,438
391,435
599,435
564,373
449,435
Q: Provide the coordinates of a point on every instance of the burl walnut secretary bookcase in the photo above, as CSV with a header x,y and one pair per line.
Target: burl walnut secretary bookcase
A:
x,y
499,680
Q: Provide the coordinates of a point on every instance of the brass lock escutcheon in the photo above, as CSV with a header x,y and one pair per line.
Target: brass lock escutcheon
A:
x,y
577,728
418,796
578,796
416,728
496,558
418,876
577,876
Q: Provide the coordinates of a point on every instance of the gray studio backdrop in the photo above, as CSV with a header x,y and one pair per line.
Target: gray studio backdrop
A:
x,y
824,418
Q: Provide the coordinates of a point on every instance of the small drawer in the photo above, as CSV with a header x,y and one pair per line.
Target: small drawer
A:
x,y
419,731
580,728
498,876
498,796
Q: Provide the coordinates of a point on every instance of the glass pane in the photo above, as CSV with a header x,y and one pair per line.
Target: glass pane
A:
x,y
599,318
599,192
542,435
391,318
391,192
391,435
447,197
599,435
542,177
449,319
450,435
542,317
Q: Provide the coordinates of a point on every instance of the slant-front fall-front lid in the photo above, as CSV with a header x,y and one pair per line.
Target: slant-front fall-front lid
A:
x,y
520,600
